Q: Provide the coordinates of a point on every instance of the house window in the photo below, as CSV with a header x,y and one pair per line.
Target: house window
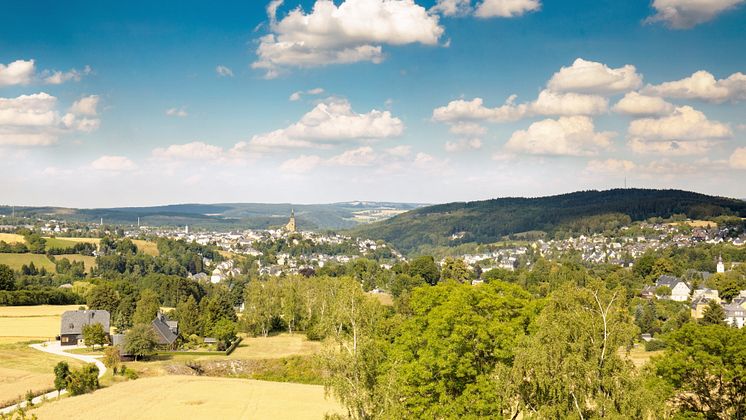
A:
x,y
71,326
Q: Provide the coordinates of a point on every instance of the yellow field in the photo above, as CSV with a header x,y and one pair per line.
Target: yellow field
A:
x,y
12,238
76,240
16,261
384,299
639,356
88,261
275,347
697,223
146,247
32,322
190,397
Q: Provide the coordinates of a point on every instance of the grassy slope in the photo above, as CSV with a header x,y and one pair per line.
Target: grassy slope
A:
x,y
15,261
188,397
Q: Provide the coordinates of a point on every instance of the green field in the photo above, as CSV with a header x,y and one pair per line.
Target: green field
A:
x,y
15,261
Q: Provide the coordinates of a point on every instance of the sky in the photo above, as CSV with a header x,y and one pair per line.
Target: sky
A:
x,y
138,103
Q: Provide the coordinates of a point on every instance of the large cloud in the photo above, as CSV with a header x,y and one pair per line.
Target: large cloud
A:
x,y
23,72
362,156
331,121
566,136
686,131
34,120
592,77
703,85
354,31
547,103
636,104
684,14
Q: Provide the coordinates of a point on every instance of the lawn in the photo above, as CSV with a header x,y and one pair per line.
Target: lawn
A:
x,y
15,261
640,357
191,397
59,242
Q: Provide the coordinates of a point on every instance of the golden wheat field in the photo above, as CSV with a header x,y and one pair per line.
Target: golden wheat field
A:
x,y
32,322
192,397
12,238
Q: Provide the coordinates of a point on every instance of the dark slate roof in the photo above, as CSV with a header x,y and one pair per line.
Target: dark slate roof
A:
x,y
73,321
669,281
163,333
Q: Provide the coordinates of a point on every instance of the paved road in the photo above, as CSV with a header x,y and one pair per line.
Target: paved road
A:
x,y
54,347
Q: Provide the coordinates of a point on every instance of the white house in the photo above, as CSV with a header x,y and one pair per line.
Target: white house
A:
x,y
679,289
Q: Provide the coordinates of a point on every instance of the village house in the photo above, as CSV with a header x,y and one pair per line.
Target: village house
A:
x,y
735,315
71,326
679,289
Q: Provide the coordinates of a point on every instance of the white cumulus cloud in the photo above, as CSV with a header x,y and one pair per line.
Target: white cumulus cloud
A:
x,y
301,164
362,156
354,31
685,14
565,136
19,72
87,105
506,8
610,166
585,76
196,150
57,77
177,112
330,121
703,85
463,145
636,104
685,132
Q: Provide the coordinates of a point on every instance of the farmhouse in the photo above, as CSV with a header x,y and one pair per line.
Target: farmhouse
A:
x,y
71,326
166,331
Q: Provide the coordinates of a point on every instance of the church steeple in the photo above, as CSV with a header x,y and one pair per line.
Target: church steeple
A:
x,y
290,227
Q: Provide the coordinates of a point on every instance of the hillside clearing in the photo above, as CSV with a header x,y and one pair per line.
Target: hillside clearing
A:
x,y
12,238
88,261
181,397
146,247
16,261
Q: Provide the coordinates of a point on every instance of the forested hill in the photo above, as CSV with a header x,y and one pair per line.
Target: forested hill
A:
x,y
490,220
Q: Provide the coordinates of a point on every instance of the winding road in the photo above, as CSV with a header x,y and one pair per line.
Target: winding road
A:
x,y
55,348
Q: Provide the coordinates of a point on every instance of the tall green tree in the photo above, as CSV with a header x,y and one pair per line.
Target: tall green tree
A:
x,y
458,340
455,269
713,314
103,297
140,341
706,366
425,268
147,307
7,278
61,375
571,365
187,313
94,334
124,313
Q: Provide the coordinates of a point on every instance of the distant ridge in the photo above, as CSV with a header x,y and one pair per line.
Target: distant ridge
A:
x,y
226,216
490,220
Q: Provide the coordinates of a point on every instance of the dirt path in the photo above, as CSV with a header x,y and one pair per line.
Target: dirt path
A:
x,y
55,348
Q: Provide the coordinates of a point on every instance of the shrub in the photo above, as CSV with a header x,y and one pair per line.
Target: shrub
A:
x,y
654,345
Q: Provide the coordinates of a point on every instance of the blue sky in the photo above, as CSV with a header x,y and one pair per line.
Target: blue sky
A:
x,y
395,100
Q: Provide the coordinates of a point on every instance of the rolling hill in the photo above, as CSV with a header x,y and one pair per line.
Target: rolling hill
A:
x,y
490,220
227,216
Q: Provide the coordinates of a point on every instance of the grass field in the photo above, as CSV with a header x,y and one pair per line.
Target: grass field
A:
x,y
275,347
640,357
23,368
16,261
189,397
12,238
146,247
88,261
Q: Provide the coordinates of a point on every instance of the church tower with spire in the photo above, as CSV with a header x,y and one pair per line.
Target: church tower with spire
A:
x,y
721,266
290,227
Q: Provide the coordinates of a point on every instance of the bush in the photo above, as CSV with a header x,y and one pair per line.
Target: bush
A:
x,y
83,380
131,374
654,345
44,296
